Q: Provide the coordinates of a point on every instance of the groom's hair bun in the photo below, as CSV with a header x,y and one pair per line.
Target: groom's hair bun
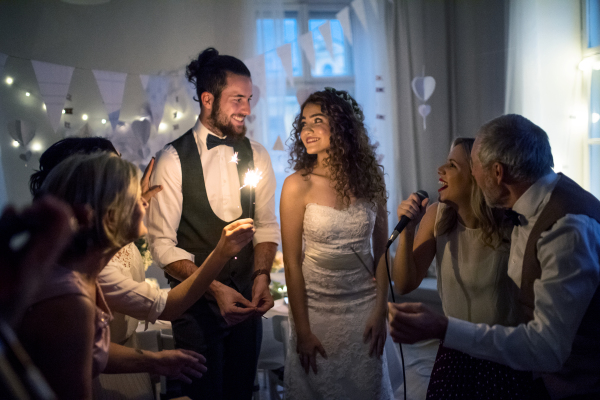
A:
x,y
209,71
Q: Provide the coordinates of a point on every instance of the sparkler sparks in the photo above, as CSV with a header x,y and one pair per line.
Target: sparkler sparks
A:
x,y
253,176
234,159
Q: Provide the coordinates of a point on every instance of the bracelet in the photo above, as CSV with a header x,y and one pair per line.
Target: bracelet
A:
x,y
260,272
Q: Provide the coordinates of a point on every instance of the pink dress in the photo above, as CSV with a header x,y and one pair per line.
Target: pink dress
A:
x,y
63,281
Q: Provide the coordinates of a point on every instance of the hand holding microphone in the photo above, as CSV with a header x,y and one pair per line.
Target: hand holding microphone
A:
x,y
411,211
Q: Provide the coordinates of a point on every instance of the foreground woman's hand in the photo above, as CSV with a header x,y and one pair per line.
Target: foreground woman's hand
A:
x,y
234,237
376,332
413,322
307,348
179,364
147,191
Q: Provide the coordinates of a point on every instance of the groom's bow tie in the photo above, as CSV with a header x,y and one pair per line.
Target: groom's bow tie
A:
x,y
513,216
213,141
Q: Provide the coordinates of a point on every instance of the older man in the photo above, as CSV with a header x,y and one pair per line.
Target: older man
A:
x,y
554,260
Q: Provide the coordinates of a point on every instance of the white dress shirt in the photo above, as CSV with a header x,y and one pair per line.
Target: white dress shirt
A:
x,y
128,295
223,189
568,255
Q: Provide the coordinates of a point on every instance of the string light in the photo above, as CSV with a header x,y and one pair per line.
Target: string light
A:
x,y
36,146
15,143
84,117
63,111
27,94
9,80
44,106
595,117
103,121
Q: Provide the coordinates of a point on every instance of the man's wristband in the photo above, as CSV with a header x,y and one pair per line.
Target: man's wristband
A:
x,y
260,272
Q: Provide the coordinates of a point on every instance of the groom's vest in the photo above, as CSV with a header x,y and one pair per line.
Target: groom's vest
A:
x,y
199,228
581,372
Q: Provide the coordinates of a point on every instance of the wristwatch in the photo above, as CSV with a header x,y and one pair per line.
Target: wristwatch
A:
x,y
260,272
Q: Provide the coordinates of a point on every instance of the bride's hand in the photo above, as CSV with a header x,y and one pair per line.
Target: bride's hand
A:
x,y
376,332
307,348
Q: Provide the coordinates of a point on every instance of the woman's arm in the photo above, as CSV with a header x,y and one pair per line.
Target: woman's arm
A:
x,y
292,209
414,255
142,301
375,329
58,335
177,364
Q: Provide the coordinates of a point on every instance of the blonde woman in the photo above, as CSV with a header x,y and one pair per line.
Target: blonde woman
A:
x,y
469,241
65,330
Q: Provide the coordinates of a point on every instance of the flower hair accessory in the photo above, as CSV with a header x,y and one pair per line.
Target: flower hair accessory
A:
x,y
346,97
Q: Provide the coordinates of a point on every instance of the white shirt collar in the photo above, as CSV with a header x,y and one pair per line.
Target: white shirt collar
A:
x,y
530,203
201,132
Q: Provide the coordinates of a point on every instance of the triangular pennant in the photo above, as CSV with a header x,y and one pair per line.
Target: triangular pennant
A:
x,y
285,55
3,58
144,79
278,144
359,9
156,94
344,18
54,81
256,65
325,30
375,8
112,87
308,47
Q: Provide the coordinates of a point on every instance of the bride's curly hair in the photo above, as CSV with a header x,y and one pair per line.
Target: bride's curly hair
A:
x,y
351,159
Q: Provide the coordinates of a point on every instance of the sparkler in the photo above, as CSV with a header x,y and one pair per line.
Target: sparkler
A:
x,y
234,159
251,179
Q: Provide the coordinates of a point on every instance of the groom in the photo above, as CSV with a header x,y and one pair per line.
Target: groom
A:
x,y
201,173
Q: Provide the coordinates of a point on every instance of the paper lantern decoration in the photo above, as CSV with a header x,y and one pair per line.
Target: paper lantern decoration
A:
x,y
423,87
21,131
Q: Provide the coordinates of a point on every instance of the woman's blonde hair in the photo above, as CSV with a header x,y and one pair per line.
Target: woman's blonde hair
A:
x,y
490,220
107,184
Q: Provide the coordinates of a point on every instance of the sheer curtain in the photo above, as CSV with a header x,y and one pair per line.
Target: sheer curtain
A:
x,y
543,82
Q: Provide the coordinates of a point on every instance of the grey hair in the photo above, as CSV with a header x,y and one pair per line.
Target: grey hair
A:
x,y
519,145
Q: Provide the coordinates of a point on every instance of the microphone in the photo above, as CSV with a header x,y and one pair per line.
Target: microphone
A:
x,y
422,195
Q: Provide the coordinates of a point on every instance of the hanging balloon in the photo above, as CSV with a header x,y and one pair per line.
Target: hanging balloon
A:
x,y
21,131
423,87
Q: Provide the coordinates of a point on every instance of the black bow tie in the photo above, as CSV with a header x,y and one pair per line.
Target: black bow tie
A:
x,y
213,141
513,216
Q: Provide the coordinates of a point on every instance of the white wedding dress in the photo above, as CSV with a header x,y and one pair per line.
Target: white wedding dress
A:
x,y
341,295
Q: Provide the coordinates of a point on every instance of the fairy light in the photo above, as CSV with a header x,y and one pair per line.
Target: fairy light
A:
x,y
63,111
9,80
15,143
36,146
103,121
595,117
84,117
27,94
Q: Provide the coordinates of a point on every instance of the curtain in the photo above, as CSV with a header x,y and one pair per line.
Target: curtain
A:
x,y
460,44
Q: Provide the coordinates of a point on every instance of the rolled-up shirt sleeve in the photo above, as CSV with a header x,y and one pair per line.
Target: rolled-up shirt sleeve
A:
x,y
139,300
568,254
265,220
164,212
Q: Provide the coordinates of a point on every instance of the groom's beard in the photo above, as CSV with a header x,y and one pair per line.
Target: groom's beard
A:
x,y
221,122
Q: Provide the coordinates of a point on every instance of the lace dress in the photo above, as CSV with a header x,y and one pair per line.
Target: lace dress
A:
x,y
341,295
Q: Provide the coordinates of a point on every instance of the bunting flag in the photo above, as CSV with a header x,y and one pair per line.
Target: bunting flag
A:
x,y
278,144
325,30
285,55
112,88
3,58
256,65
54,81
375,8
156,87
344,18
359,9
307,45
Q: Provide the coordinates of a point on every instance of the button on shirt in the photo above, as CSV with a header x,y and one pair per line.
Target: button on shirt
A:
x,y
568,255
222,188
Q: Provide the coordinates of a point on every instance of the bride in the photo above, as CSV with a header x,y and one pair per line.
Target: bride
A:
x,y
334,204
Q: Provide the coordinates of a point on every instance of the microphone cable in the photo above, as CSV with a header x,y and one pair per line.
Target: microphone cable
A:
x,y
387,267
